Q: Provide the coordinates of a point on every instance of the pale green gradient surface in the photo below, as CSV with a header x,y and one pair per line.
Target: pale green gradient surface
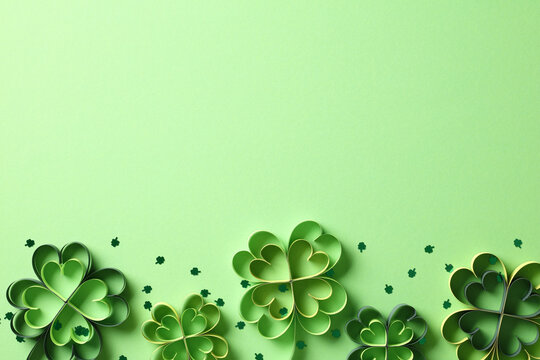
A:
x,y
181,127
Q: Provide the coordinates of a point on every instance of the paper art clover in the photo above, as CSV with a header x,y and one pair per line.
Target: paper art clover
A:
x,y
188,335
64,307
393,339
502,318
289,283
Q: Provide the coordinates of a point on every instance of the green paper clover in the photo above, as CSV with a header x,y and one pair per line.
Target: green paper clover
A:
x,y
64,307
502,320
186,336
393,339
288,283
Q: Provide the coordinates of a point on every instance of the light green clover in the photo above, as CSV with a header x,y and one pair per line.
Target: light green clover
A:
x,y
289,283
187,336
502,319
64,307
393,339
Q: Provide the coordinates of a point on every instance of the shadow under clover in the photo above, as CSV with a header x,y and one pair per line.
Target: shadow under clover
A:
x,y
188,335
291,285
502,320
67,303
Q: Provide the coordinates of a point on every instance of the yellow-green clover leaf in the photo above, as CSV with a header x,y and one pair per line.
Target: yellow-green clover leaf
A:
x,y
289,284
502,319
64,306
188,335
392,339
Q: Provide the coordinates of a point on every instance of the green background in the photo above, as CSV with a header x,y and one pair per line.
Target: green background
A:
x,y
182,127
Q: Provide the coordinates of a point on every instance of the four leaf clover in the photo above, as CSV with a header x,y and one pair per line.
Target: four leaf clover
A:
x,y
502,320
63,308
393,339
288,283
187,335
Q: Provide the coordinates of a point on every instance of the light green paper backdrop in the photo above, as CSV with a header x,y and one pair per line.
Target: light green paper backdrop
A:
x,y
181,127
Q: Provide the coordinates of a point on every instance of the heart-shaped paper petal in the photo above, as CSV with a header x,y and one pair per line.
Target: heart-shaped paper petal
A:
x,y
305,263
169,329
43,306
42,255
399,334
488,294
374,334
308,293
278,296
175,351
198,347
78,252
71,325
316,325
522,300
374,353
63,279
481,326
220,347
192,322
90,300
272,267
400,353
515,333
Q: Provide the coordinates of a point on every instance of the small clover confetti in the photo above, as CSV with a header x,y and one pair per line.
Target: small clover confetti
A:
x,y
422,341
240,325
429,249
336,333
19,339
283,287
283,311
147,289
245,283
205,293
160,260
220,302
412,273
447,304
57,325
9,315
30,243
147,305
122,357
362,246
301,345
115,242
389,289
81,331
518,243
195,271
259,356
448,267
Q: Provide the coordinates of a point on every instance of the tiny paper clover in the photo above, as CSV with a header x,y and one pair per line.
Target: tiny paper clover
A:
x,y
288,283
64,307
502,320
393,339
186,336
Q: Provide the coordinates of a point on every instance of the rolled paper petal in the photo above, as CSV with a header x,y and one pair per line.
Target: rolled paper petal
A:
x,y
91,300
259,240
522,300
451,330
176,350
220,348
408,315
304,262
373,353
149,331
375,334
43,306
337,301
316,325
90,350
308,293
272,266
331,246
71,325
307,230
400,353
15,291
356,353
21,328
212,315
160,310
113,278
120,311
170,329
489,294
77,251
530,271
241,261
248,310
63,279
38,351
43,255
198,347
192,322
193,301
278,297
515,333
58,352
466,351
271,328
